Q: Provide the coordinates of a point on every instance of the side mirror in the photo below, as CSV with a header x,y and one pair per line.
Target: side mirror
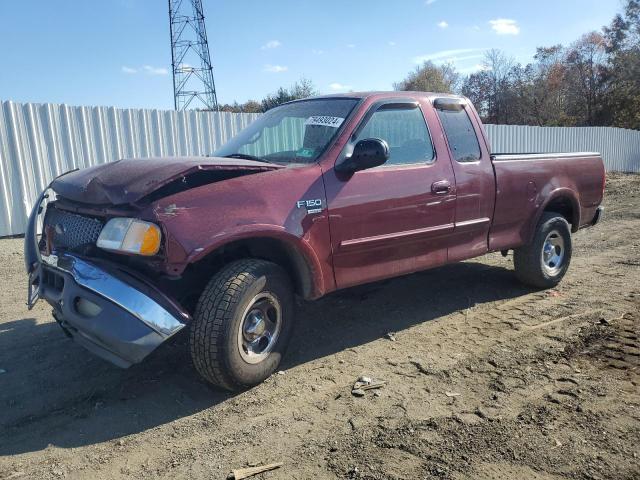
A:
x,y
368,153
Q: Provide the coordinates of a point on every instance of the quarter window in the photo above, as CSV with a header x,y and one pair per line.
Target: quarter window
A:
x,y
404,130
461,136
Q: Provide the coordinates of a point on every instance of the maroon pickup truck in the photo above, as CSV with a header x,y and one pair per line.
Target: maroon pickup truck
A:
x,y
314,196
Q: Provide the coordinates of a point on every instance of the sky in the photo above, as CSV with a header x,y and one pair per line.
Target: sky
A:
x,y
117,52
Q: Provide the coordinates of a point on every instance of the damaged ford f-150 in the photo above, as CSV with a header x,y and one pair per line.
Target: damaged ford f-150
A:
x,y
316,195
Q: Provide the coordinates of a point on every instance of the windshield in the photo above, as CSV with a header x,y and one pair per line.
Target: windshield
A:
x,y
297,132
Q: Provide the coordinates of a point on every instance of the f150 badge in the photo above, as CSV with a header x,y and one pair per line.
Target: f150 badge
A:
x,y
312,206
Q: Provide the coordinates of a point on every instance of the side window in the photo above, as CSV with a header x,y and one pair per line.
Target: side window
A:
x,y
405,130
460,134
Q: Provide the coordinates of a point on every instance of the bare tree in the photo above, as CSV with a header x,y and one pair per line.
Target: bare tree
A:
x,y
623,69
547,82
585,78
498,68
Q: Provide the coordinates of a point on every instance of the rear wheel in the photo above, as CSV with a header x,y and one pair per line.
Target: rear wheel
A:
x,y
242,324
545,260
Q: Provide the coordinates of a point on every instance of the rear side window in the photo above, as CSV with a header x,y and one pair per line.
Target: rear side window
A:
x,y
460,134
404,130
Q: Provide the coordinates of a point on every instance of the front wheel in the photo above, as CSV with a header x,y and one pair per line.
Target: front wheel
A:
x,y
242,324
545,260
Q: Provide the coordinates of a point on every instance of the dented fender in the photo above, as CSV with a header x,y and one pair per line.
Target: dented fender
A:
x,y
198,221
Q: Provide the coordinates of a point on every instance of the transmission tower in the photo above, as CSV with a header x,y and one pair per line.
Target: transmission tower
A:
x,y
190,59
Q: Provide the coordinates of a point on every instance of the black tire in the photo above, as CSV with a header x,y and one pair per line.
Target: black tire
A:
x,y
219,316
529,260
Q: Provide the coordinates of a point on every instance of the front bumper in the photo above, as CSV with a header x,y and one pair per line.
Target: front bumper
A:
x,y
113,314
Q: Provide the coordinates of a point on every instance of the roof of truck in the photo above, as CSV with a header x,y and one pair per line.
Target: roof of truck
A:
x,y
384,94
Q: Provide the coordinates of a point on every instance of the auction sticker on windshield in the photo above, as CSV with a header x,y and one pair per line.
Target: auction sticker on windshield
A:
x,y
324,121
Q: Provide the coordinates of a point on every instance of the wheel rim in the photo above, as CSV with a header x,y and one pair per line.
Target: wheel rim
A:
x,y
553,253
259,328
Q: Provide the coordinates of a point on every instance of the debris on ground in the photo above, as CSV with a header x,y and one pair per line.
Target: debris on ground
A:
x,y
391,336
365,383
241,473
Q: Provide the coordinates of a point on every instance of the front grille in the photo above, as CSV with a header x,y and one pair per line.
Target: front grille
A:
x,y
70,231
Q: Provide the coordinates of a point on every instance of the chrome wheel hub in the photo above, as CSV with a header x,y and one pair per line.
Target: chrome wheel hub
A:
x,y
260,328
553,253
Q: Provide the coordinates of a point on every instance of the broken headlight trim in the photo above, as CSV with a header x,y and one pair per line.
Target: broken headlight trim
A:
x,y
130,235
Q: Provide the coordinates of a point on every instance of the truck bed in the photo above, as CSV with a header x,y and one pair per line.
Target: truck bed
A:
x,y
572,183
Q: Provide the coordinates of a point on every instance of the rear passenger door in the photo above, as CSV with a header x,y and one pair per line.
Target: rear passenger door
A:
x,y
475,179
391,219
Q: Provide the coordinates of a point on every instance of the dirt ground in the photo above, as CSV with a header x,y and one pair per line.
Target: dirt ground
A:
x,y
485,379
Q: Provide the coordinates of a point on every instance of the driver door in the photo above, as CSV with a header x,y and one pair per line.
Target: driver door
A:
x,y
392,219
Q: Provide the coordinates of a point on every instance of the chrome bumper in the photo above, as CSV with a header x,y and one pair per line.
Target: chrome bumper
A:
x,y
107,286
126,318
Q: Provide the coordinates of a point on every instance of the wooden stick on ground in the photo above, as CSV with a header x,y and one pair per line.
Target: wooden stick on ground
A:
x,y
241,473
373,385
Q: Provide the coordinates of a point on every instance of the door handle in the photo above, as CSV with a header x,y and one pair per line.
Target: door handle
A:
x,y
441,188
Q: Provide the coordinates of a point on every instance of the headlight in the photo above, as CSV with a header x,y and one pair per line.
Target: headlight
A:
x,y
131,236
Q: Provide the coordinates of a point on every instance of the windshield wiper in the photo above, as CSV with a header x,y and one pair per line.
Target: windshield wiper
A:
x,y
246,156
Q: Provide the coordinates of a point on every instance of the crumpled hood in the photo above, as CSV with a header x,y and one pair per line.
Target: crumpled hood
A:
x,y
128,181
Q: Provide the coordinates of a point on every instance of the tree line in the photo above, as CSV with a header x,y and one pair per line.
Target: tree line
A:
x,y
303,88
595,81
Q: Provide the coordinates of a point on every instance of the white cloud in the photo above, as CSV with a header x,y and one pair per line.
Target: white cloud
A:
x,y
505,26
155,70
443,24
339,87
317,51
392,44
271,44
148,69
446,56
429,2
275,68
351,45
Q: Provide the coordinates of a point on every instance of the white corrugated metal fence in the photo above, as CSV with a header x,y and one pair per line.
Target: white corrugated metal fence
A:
x,y
41,141
620,148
